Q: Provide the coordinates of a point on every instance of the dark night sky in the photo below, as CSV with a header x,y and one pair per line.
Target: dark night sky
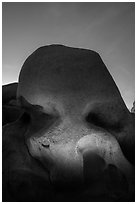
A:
x,y
107,28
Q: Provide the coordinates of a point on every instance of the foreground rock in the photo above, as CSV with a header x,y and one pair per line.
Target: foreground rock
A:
x,y
10,110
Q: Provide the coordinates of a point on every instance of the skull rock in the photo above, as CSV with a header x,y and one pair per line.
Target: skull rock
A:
x,y
75,139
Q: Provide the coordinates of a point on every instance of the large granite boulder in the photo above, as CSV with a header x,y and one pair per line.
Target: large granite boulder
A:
x,y
74,140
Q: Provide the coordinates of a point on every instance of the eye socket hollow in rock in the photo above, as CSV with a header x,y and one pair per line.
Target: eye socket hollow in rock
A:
x,y
100,121
26,118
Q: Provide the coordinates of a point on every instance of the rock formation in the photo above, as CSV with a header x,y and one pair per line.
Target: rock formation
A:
x,y
74,140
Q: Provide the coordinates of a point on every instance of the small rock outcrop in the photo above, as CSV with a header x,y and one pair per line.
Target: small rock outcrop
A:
x,y
133,108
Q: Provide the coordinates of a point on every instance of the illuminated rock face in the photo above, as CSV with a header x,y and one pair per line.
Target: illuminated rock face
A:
x,y
75,140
